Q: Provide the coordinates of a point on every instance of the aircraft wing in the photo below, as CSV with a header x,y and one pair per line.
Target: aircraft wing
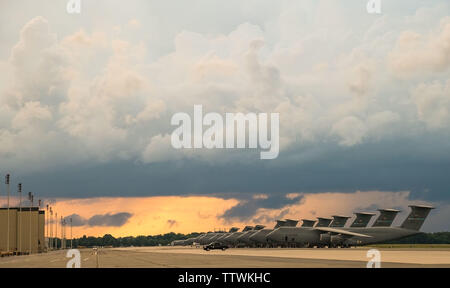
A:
x,y
343,232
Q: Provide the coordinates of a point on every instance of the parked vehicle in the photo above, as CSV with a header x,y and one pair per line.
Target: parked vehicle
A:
x,y
216,246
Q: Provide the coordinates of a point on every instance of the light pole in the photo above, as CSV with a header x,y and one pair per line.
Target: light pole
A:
x,y
39,241
65,239
65,234
46,228
19,190
56,230
30,197
7,233
71,238
51,228
62,233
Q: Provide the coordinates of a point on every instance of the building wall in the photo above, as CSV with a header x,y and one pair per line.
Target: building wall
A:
x,y
4,230
29,227
41,231
23,224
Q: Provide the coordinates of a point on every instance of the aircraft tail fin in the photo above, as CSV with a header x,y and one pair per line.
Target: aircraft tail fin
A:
x,y
259,227
291,223
247,228
362,220
308,223
417,217
386,217
280,223
339,221
323,222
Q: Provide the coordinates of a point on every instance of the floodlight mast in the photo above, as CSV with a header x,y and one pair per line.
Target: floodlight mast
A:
x,y
63,245
19,190
71,237
38,210
62,232
30,197
51,228
56,230
7,191
46,228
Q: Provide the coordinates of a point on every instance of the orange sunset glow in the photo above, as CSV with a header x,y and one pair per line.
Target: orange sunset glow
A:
x,y
160,215
150,215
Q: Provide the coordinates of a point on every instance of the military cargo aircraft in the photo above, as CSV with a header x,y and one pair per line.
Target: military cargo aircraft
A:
x,y
231,239
232,230
259,239
244,239
362,220
211,237
353,236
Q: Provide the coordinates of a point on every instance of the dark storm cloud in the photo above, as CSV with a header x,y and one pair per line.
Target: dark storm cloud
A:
x,y
110,220
417,165
77,220
247,208
269,219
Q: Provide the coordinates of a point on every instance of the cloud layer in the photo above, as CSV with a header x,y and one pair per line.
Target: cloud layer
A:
x,y
106,220
98,96
364,100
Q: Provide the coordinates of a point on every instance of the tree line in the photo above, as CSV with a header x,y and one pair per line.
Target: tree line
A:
x,y
109,240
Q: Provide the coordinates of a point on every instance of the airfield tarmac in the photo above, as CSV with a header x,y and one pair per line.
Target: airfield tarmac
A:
x,y
187,257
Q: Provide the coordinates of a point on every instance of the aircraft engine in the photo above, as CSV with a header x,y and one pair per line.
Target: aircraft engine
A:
x,y
325,238
337,239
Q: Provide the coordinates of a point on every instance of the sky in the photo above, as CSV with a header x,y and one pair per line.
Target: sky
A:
x,y
86,102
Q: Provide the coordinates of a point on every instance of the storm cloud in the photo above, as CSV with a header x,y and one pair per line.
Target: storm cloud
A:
x,y
108,220
85,106
247,208
112,220
77,220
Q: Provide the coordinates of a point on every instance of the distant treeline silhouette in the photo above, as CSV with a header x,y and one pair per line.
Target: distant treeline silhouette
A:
x,y
166,239
109,240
